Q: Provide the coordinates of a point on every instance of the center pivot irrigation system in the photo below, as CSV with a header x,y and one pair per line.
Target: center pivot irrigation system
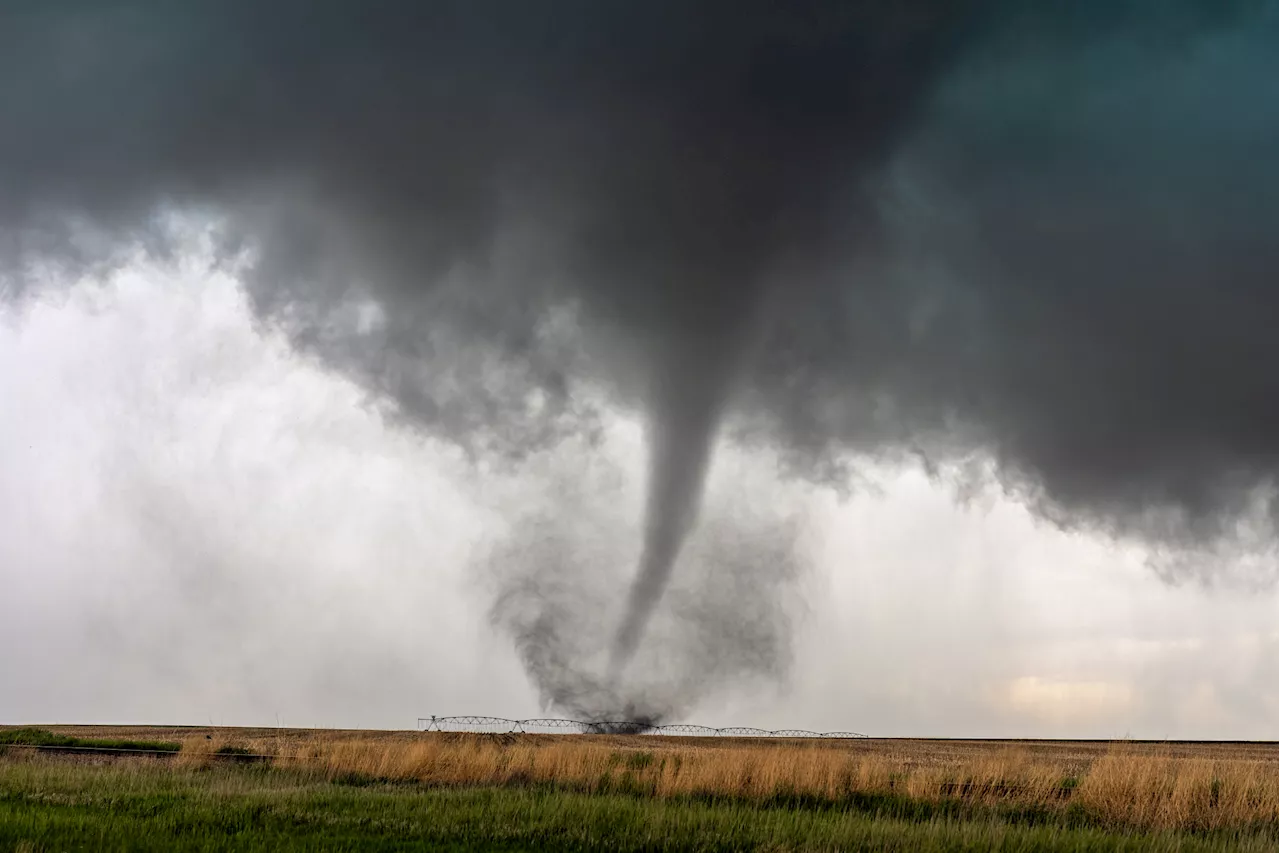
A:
x,y
615,727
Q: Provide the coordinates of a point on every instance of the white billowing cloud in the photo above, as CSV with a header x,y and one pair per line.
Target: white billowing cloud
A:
x,y
983,621
198,524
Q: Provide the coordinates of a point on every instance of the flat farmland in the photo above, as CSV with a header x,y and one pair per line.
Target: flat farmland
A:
x,y
629,791
923,751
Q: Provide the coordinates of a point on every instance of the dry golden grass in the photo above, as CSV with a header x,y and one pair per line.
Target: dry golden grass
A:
x,y
1193,793
1147,785
199,750
1134,786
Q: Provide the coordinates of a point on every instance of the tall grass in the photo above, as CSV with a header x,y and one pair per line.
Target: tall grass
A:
x,y
1190,793
64,803
1124,787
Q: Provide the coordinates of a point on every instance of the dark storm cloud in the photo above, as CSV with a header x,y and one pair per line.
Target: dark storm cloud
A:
x,y
649,162
1045,235
1080,278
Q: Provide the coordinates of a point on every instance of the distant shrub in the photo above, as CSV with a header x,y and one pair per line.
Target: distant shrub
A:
x,y
28,736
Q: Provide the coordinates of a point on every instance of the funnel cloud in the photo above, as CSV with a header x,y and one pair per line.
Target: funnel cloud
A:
x,y
1040,238
727,619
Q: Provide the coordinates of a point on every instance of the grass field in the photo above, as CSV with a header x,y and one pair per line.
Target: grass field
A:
x,y
385,791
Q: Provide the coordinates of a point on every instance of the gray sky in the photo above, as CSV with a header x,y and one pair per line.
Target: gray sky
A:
x,y
497,281
197,524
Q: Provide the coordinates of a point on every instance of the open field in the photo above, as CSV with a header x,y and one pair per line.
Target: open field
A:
x,y
398,790
49,805
1072,756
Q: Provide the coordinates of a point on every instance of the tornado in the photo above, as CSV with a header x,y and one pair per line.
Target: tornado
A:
x,y
687,396
1034,234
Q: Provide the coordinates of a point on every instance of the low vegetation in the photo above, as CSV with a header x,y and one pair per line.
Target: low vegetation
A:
x,y
1121,788
47,739
48,806
442,791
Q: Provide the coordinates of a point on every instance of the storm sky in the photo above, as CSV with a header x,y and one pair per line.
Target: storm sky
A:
x,y
200,525
641,315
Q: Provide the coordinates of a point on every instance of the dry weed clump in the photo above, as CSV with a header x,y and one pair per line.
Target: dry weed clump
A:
x,y
199,751
1122,787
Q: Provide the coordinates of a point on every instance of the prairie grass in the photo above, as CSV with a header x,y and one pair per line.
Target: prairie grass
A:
x,y
53,803
1188,793
1145,789
1129,786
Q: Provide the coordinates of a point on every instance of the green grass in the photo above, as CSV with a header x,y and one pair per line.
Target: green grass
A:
x,y
48,805
43,737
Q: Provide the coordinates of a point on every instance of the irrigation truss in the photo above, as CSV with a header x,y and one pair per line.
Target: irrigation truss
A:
x,y
608,727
